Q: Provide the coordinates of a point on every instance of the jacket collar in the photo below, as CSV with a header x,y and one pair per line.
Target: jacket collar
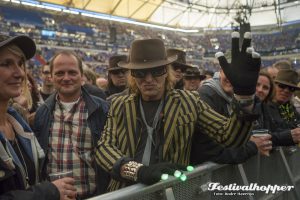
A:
x,y
17,116
89,102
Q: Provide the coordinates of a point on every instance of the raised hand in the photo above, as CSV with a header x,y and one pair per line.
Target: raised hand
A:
x,y
245,64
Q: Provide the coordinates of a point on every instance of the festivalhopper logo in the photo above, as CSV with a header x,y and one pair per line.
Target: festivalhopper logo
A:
x,y
234,189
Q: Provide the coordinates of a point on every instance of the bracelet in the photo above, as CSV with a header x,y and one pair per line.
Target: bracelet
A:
x,y
130,170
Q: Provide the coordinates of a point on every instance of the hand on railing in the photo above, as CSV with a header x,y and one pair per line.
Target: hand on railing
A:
x,y
153,173
296,135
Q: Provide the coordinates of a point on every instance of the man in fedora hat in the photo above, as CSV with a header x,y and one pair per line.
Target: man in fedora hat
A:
x,y
117,76
179,66
192,78
282,114
149,132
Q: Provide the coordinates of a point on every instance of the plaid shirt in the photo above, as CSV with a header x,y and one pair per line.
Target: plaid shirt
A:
x,y
70,146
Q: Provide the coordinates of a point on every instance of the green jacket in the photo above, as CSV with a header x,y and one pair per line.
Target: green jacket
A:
x,y
182,111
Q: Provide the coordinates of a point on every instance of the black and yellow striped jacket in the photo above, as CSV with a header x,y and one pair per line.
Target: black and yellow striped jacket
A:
x,y
182,111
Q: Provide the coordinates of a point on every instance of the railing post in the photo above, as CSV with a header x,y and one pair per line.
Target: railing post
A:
x,y
169,194
289,172
244,178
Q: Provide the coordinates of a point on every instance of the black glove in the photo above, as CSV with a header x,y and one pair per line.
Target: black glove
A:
x,y
244,68
152,174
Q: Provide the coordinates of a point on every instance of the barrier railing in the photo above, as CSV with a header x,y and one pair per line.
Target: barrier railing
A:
x,y
279,173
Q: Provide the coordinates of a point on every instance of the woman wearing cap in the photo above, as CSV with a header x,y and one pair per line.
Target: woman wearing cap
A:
x,y
19,149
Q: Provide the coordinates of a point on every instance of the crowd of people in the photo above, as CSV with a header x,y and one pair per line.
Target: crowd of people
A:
x,y
78,135
71,130
61,29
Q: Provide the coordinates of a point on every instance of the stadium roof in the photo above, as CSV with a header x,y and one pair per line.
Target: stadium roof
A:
x,y
192,14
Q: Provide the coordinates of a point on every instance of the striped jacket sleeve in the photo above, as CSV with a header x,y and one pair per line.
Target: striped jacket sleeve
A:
x,y
230,132
107,151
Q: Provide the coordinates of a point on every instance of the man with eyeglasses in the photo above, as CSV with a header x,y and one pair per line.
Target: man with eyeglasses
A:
x,y
149,132
192,78
47,87
117,76
282,114
179,66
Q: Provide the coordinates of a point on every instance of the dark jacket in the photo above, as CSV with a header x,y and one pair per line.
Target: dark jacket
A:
x,y
111,89
206,149
9,191
95,91
12,186
279,128
179,85
97,112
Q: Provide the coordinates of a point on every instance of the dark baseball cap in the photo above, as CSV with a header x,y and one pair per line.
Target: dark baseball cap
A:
x,y
25,43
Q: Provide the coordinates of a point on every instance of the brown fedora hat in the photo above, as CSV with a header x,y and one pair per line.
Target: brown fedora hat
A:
x,y
113,62
147,53
193,72
287,77
181,58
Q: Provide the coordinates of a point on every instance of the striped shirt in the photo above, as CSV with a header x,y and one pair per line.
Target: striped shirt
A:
x,y
70,146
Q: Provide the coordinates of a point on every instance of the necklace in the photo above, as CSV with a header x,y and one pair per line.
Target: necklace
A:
x,y
23,160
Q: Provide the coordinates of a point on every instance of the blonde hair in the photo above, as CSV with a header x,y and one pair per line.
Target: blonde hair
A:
x,y
169,84
25,91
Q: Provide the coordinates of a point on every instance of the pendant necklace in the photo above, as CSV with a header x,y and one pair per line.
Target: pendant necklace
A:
x,y
23,160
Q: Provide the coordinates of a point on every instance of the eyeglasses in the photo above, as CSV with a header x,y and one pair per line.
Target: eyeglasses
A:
x,y
282,86
46,72
155,72
119,71
192,78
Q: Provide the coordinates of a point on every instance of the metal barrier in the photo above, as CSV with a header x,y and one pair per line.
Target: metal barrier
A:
x,y
281,168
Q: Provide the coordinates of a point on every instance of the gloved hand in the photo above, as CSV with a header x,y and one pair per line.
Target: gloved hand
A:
x,y
243,70
152,174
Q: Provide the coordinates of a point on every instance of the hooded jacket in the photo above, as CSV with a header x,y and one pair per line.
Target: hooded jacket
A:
x,y
206,149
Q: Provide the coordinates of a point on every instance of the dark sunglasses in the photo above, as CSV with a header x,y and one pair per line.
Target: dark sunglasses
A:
x,y
119,71
155,72
176,67
282,86
192,78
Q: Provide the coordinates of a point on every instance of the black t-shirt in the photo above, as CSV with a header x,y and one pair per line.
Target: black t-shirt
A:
x,y
150,109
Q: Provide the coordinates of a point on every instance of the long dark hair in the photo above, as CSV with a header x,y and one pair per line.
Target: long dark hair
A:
x,y
271,93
